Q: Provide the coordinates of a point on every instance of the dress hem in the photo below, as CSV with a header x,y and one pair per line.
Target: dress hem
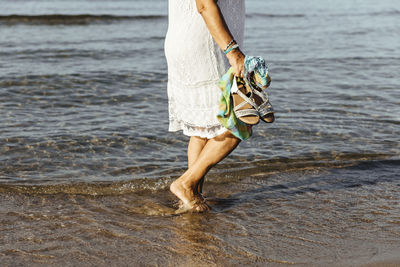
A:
x,y
202,132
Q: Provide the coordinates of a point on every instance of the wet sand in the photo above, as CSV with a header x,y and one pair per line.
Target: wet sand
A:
x,y
383,264
308,217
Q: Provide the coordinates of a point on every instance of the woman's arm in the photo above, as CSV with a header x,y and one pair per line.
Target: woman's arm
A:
x,y
220,32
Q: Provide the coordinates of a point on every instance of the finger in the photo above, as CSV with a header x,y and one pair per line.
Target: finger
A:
x,y
242,71
240,74
237,73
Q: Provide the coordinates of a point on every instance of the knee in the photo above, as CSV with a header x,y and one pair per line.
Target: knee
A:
x,y
198,139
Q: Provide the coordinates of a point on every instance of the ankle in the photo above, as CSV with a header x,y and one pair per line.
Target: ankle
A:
x,y
187,185
180,184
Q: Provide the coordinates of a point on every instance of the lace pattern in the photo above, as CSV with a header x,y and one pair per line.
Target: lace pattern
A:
x,y
203,132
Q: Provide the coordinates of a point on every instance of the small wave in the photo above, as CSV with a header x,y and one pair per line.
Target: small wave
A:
x,y
221,176
393,12
93,189
79,19
386,13
276,15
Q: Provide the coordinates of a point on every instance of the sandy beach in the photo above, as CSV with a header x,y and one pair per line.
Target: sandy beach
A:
x,y
275,219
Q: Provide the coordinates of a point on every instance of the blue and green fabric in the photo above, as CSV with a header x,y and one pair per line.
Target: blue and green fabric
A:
x,y
256,73
225,115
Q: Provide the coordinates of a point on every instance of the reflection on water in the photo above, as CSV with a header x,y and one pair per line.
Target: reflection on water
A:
x,y
78,105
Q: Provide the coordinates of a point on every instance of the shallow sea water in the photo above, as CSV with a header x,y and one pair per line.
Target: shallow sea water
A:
x,y
86,159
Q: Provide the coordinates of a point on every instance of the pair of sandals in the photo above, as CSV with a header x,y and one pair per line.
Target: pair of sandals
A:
x,y
251,102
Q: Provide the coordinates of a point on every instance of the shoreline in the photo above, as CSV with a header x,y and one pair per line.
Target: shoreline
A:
x,y
382,263
322,217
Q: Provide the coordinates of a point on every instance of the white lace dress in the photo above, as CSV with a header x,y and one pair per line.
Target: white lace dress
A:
x,y
195,64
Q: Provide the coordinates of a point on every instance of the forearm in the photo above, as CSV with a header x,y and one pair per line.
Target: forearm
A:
x,y
213,18
220,32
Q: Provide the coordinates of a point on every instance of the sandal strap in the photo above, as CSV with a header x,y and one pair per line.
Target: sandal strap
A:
x,y
266,111
265,105
265,108
262,94
246,112
246,99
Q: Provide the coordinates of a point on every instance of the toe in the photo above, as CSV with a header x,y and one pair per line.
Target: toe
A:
x,y
201,207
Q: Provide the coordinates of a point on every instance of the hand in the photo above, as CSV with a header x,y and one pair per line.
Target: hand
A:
x,y
236,59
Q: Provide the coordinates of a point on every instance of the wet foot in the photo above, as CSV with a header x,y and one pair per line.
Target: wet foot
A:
x,y
201,207
194,207
188,200
184,193
199,199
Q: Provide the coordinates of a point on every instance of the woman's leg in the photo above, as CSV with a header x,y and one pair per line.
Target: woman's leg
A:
x,y
213,152
196,145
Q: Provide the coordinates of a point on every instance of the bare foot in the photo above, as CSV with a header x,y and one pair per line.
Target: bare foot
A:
x,y
189,200
201,207
194,207
184,193
199,199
